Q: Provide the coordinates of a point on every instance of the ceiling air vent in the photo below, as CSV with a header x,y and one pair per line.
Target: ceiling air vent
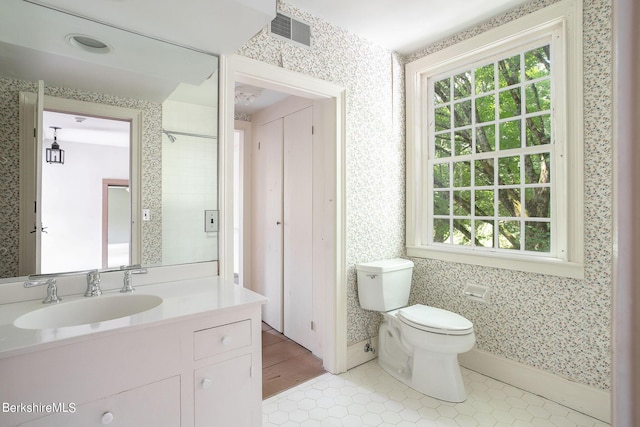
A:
x,y
291,29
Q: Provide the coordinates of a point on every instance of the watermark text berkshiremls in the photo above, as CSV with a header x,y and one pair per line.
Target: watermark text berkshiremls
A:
x,y
54,407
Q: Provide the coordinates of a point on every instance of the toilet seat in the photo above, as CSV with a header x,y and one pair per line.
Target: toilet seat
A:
x,y
436,320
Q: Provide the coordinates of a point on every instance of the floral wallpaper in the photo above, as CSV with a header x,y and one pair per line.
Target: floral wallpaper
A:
x,y
10,174
555,324
559,325
10,170
374,140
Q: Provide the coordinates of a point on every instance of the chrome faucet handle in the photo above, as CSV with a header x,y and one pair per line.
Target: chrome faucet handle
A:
x,y
52,293
126,282
52,290
93,284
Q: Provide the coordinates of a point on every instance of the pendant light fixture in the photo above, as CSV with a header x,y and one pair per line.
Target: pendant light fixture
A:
x,y
55,154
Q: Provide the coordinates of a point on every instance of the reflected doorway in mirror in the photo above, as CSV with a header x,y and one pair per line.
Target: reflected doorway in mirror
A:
x,y
69,200
116,223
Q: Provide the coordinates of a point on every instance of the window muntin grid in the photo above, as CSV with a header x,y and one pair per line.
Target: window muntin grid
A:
x,y
491,153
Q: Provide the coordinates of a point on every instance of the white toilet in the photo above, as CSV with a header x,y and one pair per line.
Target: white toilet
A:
x,y
418,345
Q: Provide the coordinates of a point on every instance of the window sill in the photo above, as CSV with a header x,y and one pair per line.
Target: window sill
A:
x,y
528,264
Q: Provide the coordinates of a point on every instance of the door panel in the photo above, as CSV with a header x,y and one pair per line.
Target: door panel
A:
x,y
269,222
217,405
28,182
298,227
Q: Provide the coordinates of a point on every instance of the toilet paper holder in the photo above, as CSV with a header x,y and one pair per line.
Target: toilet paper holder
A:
x,y
477,293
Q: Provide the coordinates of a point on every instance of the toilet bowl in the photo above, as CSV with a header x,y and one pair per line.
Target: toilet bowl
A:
x,y
423,356
418,344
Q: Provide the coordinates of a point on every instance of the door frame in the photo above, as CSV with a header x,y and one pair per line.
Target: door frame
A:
x,y
106,183
244,207
235,68
84,108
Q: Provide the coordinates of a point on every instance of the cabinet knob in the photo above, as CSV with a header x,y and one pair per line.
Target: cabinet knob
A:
x,y
206,383
226,340
107,417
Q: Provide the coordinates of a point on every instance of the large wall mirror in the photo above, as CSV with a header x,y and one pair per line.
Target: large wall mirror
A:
x,y
138,181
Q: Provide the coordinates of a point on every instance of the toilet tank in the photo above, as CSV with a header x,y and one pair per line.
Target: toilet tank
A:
x,y
384,285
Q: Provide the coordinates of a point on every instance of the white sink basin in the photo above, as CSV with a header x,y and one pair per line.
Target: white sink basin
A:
x,y
87,310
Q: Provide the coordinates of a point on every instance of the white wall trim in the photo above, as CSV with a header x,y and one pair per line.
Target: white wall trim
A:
x,y
582,398
245,203
356,355
626,203
588,400
562,20
237,68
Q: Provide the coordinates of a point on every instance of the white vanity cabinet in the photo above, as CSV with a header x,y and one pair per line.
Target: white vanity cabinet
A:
x,y
218,404
223,357
202,369
156,404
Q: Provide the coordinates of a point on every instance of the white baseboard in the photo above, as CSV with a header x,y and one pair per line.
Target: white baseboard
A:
x,y
582,398
588,400
356,354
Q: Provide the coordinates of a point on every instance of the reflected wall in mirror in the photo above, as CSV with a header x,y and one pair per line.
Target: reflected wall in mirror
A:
x,y
177,179
139,73
116,220
82,225
189,173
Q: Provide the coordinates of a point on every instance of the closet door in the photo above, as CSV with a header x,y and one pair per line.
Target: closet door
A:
x,y
298,227
269,221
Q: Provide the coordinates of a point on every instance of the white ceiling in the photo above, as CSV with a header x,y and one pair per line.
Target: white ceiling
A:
x,y
264,98
85,129
219,26
405,25
214,26
401,25
141,64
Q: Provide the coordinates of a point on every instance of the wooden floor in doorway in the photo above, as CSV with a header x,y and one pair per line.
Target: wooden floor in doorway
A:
x,y
285,363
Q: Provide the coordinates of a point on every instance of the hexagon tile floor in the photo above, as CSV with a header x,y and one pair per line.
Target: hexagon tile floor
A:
x,y
367,396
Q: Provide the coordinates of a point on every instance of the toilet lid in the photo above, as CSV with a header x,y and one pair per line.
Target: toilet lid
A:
x,y
436,320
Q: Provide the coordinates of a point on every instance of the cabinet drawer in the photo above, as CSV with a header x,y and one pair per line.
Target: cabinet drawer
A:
x,y
156,404
212,341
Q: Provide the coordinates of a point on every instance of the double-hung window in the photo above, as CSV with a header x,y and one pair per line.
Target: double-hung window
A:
x,y
494,156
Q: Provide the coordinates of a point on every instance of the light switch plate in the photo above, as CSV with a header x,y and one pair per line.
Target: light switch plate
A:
x,y
146,214
210,221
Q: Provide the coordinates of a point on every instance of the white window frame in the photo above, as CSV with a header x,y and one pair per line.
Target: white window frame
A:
x,y
563,22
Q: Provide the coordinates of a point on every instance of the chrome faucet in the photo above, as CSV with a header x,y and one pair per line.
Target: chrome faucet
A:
x,y
126,282
93,284
52,290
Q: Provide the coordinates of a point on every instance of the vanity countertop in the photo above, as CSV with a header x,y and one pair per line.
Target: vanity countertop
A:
x,y
184,298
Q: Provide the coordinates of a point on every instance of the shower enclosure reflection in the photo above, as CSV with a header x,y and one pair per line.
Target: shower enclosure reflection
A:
x,y
189,174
